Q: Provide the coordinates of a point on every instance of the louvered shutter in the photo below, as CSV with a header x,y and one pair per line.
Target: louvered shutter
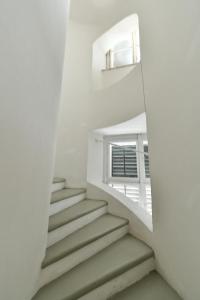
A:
x,y
124,161
146,162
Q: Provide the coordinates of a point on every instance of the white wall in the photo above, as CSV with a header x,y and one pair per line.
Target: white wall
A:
x,y
32,37
84,108
171,60
170,42
119,205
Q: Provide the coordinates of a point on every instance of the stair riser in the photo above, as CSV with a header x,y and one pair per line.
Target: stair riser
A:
x,y
64,265
65,203
62,232
121,282
57,186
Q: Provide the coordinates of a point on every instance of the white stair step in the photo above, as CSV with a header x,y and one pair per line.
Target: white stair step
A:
x,y
152,287
101,276
65,198
73,218
58,184
58,179
81,245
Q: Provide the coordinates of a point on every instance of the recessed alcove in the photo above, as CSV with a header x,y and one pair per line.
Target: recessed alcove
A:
x,y
118,163
116,53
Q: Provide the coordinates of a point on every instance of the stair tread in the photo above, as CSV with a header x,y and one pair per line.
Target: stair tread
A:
x,y
65,194
58,180
104,266
152,287
89,233
74,212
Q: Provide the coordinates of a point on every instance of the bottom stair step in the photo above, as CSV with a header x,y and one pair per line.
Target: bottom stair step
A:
x,y
122,256
152,287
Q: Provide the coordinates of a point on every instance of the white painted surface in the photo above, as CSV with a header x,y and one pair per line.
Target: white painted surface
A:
x,y
32,38
171,77
136,227
65,203
65,230
121,282
64,265
84,109
170,43
134,207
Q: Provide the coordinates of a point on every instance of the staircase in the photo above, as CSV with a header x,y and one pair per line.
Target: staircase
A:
x,y
90,254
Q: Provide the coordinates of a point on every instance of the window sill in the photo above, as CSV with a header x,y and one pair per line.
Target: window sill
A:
x,y
119,67
123,180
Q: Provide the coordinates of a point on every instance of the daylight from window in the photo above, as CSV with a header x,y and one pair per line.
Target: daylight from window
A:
x,y
117,50
127,168
125,52
124,47
119,164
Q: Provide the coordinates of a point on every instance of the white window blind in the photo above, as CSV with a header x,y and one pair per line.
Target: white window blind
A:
x,y
124,161
146,161
127,167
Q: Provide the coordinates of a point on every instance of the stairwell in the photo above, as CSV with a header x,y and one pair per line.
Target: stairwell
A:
x,y
92,256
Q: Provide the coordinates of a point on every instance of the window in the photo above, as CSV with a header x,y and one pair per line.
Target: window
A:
x,y
122,54
118,47
127,159
124,161
126,167
131,191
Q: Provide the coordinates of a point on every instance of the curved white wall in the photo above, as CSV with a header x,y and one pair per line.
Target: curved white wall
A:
x,y
170,43
171,63
32,37
84,108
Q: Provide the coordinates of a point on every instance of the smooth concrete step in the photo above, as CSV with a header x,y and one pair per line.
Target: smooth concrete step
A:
x,y
89,233
58,179
58,184
74,212
81,282
73,218
65,198
65,194
152,287
81,245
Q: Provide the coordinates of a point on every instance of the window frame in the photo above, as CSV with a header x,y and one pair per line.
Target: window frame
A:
x,y
107,159
109,56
